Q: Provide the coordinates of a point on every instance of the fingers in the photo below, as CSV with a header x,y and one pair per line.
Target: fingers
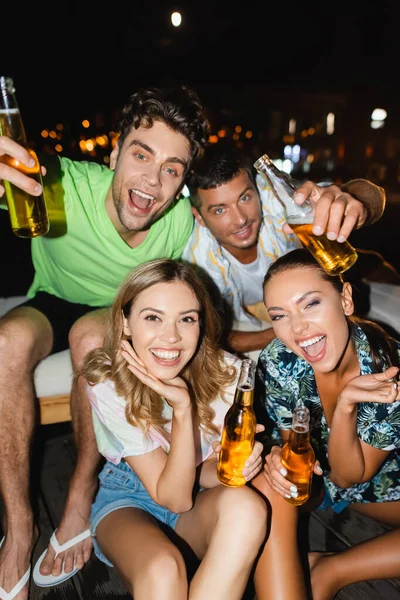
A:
x,y
10,147
336,212
275,474
216,446
29,185
377,387
259,428
251,471
317,468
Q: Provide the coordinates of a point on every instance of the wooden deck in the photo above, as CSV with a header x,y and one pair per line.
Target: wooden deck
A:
x,y
54,456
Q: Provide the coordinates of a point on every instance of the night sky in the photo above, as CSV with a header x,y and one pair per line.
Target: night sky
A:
x,y
74,56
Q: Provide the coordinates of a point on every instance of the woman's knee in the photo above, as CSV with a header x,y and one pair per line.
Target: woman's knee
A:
x,y
244,508
166,569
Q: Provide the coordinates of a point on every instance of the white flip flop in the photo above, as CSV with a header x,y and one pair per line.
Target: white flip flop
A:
x,y
50,580
18,587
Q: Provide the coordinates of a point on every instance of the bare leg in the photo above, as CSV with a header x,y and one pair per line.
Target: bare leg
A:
x,y
149,564
378,558
225,529
25,338
86,334
279,574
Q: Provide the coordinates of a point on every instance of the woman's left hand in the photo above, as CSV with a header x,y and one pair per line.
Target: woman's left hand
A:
x,y
175,391
376,387
254,463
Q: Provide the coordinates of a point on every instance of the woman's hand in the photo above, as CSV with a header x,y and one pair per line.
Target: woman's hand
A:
x,y
377,387
175,391
254,463
275,474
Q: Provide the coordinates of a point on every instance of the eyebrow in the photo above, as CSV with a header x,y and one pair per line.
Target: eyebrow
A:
x,y
221,204
172,159
298,301
161,312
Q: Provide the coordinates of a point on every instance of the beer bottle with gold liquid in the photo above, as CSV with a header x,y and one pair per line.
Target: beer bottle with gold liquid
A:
x,y
28,214
239,429
333,256
298,456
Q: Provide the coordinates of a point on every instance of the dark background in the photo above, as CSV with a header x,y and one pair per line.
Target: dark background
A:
x,y
72,59
73,56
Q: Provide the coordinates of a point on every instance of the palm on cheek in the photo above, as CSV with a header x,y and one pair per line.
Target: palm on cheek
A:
x,y
175,390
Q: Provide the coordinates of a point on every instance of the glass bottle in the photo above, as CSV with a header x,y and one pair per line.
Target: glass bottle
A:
x,y
239,429
28,214
334,257
298,456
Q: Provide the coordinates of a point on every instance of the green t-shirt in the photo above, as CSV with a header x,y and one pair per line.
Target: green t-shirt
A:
x,y
89,260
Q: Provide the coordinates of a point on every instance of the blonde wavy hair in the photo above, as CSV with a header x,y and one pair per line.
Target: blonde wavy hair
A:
x,y
206,373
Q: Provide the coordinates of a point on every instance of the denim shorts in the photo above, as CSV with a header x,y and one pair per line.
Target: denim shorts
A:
x,y
120,487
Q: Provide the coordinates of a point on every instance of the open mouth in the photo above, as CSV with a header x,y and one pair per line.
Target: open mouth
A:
x,y
141,201
243,233
313,346
166,356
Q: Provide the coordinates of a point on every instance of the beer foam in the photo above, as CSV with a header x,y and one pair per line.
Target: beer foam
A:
x,y
9,111
300,220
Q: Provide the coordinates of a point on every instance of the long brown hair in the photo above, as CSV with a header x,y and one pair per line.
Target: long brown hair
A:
x,y
384,350
206,374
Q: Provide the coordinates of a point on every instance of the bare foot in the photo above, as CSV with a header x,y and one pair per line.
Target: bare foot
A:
x,y
15,558
75,520
321,568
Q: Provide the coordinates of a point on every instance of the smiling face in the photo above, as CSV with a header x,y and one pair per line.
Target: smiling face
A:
x,y
149,171
232,212
164,325
309,315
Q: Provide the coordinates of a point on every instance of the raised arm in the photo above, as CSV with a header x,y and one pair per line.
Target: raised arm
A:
x,y
169,478
340,209
343,439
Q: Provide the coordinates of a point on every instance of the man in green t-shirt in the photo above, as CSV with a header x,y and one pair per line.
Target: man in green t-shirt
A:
x,y
112,220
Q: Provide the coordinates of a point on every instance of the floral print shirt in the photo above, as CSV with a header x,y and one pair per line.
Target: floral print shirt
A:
x,y
286,380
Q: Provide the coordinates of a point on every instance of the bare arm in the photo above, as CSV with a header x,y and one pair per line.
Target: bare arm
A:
x,y
246,341
339,210
343,439
169,479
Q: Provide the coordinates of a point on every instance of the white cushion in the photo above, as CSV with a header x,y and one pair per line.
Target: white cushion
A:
x,y
385,303
53,375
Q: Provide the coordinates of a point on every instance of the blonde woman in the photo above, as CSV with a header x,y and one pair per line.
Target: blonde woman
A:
x,y
159,391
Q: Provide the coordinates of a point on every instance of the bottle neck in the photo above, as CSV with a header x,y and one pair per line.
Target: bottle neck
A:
x,y
299,437
244,397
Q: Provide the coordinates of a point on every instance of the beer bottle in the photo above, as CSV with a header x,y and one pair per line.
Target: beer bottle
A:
x,y
239,429
298,455
28,214
334,257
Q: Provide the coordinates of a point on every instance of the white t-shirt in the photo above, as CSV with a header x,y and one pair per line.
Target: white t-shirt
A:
x,y
249,277
117,438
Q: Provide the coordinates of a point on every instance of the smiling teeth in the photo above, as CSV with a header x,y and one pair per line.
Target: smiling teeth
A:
x,y
167,355
143,195
311,341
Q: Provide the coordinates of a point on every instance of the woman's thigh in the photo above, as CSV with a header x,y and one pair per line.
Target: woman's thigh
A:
x,y
197,525
385,512
131,540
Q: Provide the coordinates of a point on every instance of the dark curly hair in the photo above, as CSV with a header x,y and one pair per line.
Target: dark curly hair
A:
x,y
179,108
215,167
